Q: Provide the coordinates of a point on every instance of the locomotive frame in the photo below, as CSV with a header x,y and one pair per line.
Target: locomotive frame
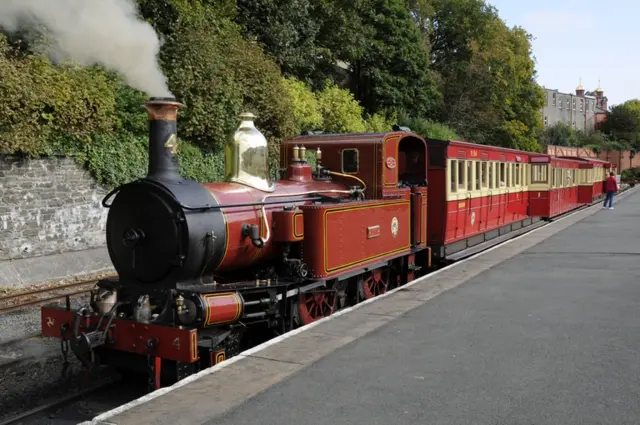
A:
x,y
351,216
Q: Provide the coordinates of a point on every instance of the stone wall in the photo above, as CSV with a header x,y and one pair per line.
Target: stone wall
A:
x,y
48,206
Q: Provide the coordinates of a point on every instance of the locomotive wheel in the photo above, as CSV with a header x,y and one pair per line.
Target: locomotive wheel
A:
x,y
374,283
313,306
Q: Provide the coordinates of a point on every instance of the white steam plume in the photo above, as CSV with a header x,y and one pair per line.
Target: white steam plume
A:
x,y
104,32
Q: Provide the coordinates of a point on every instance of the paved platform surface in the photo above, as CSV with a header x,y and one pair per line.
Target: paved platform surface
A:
x,y
542,330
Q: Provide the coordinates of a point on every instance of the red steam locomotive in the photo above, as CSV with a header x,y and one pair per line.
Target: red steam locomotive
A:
x,y
202,265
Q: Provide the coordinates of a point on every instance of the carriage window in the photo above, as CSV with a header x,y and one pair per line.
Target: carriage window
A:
x,y
539,173
478,175
485,171
460,175
469,175
492,183
350,161
518,171
560,177
454,174
502,176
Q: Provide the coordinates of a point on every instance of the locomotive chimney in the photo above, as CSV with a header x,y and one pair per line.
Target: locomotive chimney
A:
x,y
163,138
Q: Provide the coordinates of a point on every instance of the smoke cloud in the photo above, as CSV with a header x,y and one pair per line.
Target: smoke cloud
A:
x,y
103,32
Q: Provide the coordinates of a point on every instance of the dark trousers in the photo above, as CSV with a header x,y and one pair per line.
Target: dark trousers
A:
x,y
609,200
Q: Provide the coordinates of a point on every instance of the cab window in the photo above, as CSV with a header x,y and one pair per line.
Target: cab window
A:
x,y
350,161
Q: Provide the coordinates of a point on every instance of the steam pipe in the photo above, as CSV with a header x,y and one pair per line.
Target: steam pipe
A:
x,y
263,211
350,176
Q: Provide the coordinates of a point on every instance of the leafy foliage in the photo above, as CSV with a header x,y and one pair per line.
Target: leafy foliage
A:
x,y
623,124
630,174
389,65
332,110
340,113
306,108
218,74
487,75
287,29
427,128
559,134
40,99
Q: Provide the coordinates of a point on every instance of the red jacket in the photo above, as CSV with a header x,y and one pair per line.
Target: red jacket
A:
x,y
611,185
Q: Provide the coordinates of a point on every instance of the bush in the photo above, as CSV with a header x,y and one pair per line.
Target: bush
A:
x,y
427,128
307,113
341,113
332,110
379,123
40,100
630,174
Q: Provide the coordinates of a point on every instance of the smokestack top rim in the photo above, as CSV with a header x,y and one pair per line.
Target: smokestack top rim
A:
x,y
164,101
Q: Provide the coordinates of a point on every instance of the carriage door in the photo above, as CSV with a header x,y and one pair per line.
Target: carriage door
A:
x,y
412,170
419,216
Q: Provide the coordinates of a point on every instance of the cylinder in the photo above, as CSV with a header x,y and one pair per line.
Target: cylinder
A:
x,y
163,138
221,308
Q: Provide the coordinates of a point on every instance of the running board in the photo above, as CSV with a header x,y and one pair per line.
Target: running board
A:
x,y
495,241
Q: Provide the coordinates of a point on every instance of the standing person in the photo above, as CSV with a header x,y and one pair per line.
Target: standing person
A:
x,y
611,187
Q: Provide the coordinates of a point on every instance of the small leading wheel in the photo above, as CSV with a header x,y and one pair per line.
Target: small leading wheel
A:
x,y
374,283
313,306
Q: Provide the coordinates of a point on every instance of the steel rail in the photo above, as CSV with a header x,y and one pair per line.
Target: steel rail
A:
x,y
6,299
57,403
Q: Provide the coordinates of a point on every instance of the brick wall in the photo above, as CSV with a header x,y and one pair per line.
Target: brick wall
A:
x,y
48,206
622,159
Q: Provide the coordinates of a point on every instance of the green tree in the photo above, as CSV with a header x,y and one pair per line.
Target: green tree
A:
x,y
383,49
623,123
218,74
486,73
287,29
559,134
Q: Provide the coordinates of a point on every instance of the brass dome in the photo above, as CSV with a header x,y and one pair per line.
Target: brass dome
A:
x,y
247,156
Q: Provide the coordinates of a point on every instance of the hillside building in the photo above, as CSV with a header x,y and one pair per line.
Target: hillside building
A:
x,y
583,110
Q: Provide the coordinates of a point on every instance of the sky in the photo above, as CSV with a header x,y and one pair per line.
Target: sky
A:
x,y
585,39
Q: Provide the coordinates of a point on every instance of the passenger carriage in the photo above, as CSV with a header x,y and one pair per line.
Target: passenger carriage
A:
x,y
591,175
554,185
476,193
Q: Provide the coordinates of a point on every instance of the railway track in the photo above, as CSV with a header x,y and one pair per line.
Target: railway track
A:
x,y
53,408
33,297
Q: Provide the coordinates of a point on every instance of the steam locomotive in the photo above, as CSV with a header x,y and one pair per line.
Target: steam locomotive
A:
x,y
201,266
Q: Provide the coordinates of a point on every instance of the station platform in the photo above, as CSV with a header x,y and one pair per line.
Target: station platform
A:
x,y
543,329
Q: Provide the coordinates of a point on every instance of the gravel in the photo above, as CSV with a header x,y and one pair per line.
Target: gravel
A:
x,y
26,322
31,366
